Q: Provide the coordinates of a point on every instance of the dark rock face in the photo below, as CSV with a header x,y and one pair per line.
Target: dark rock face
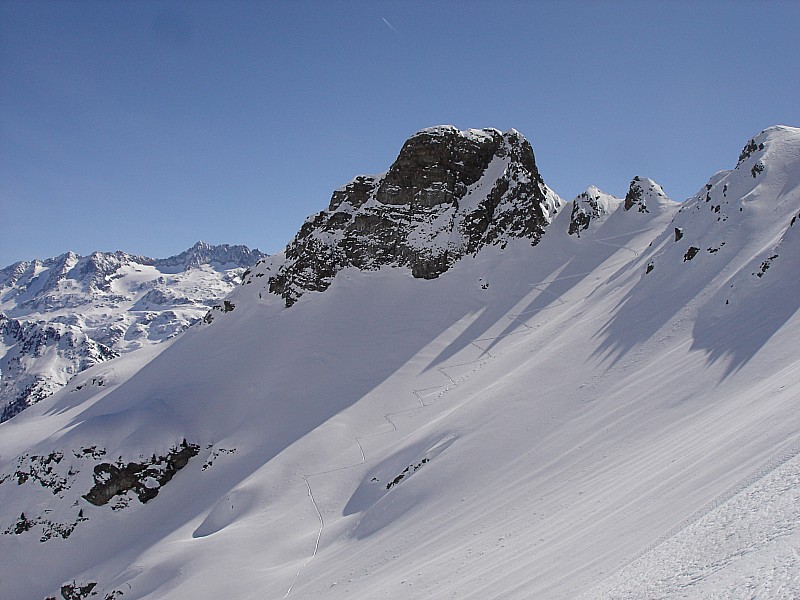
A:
x,y
578,220
226,307
448,194
634,196
691,253
74,591
116,479
589,206
644,194
749,148
436,166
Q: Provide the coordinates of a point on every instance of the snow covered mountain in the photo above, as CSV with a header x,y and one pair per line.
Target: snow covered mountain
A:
x,y
599,401
62,315
448,194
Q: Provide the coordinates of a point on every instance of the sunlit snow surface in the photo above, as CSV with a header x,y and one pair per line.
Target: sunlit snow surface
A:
x,y
538,422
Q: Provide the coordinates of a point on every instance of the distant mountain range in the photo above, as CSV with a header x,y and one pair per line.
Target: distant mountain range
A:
x,y
451,384
62,315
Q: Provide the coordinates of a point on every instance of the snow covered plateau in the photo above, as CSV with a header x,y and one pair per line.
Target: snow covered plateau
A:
x,y
451,384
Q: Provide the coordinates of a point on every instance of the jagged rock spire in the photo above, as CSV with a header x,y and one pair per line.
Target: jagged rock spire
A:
x,y
448,194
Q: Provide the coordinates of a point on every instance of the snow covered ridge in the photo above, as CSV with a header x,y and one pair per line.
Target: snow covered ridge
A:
x,y
571,419
448,194
61,315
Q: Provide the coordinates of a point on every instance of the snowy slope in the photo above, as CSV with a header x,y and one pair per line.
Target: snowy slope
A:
x,y
593,416
61,315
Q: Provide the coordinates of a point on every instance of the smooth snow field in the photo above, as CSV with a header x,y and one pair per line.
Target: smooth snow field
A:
x,y
548,421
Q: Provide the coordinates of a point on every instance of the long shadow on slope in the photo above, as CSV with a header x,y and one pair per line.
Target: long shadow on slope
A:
x,y
650,304
758,306
555,292
560,266
738,330
259,380
495,310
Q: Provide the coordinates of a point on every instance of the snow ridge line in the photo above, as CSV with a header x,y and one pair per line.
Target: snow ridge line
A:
x,y
453,383
775,462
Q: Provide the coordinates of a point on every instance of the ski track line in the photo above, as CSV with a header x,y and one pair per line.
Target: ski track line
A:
x,y
790,451
482,361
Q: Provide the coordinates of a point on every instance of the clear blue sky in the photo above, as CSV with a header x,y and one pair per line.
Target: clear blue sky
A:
x,y
145,126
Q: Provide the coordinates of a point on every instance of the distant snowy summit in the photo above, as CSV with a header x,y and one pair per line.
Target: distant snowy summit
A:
x,y
61,315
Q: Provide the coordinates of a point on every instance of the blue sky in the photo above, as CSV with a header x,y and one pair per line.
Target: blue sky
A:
x,y
146,126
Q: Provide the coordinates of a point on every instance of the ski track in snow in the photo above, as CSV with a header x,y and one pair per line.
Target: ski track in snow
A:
x,y
790,451
521,318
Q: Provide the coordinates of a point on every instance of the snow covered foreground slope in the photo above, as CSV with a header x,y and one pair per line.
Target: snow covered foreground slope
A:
x,y
612,414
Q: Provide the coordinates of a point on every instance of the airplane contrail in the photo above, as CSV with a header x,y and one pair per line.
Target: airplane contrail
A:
x,y
389,25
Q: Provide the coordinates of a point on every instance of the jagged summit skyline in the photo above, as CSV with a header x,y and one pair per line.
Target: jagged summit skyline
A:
x,y
146,126
64,314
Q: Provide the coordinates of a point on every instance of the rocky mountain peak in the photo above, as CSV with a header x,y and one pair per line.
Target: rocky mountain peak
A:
x,y
645,194
449,193
223,255
777,140
588,206
755,191
437,165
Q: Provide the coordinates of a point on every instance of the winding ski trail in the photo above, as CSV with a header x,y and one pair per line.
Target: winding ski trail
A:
x,y
521,319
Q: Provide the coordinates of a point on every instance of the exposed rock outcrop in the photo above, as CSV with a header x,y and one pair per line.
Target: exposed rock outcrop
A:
x,y
643,194
143,478
591,205
448,194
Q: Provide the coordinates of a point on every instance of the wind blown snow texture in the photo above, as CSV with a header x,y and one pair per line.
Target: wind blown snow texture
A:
x,y
610,414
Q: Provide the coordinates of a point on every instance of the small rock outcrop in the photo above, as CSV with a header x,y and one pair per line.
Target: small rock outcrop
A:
x,y
448,194
643,194
143,478
591,205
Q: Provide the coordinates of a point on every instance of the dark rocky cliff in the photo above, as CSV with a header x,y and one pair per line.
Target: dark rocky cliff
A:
x,y
448,194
